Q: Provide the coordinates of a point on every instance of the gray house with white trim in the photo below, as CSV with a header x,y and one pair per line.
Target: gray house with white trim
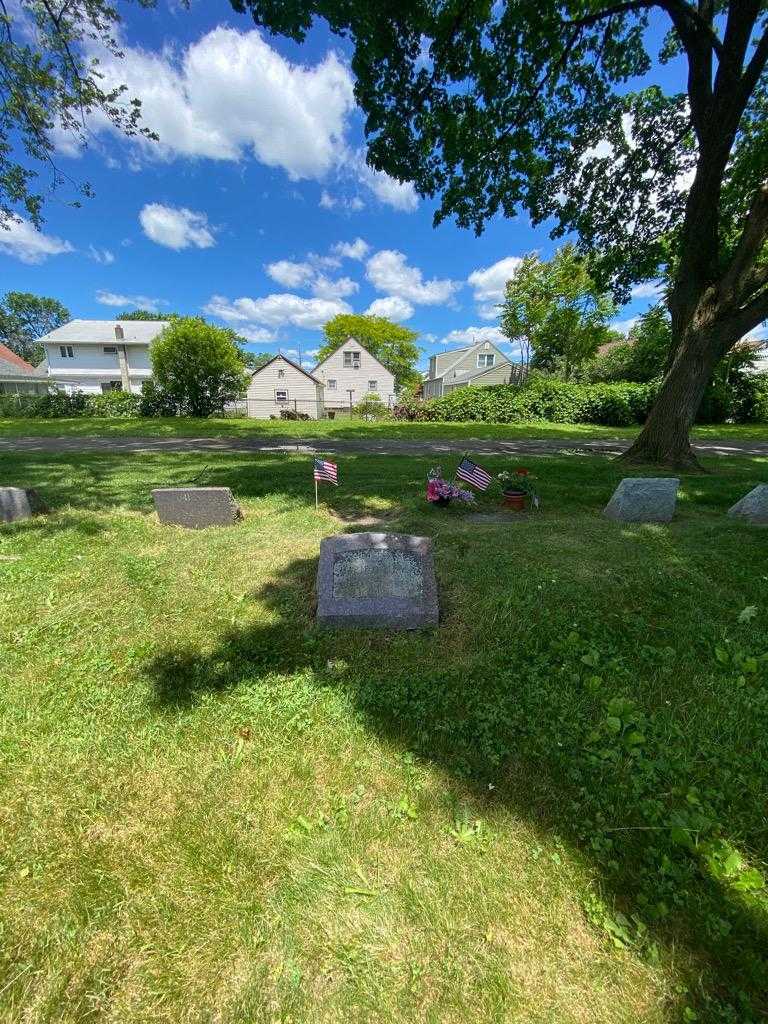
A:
x,y
478,366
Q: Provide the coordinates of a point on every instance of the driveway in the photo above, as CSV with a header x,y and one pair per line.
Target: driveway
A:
x,y
550,446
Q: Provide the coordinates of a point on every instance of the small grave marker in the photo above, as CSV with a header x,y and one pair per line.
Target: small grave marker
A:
x,y
376,580
644,499
19,503
753,506
196,507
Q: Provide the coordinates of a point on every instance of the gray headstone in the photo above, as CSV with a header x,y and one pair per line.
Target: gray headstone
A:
x,y
753,506
376,580
19,503
196,507
644,499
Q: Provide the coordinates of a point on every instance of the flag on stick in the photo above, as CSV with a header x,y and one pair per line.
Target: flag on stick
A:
x,y
326,471
473,474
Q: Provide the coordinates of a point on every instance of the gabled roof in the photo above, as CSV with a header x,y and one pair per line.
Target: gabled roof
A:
x,y
102,332
290,363
359,345
12,365
464,351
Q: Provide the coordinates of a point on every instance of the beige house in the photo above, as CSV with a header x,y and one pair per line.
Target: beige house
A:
x,y
282,385
350,373
480,365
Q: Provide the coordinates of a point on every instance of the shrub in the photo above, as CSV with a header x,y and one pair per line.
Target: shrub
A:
x,y
57,405
371,407
540,398
292,414
155,401
113,404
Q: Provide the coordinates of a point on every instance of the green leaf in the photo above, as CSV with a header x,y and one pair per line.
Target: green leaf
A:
x,y
748,613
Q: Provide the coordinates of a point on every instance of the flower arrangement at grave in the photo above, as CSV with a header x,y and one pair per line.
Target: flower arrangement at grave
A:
x,y
517,485
441,492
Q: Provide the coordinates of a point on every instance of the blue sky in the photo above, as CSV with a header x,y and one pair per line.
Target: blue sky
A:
x,y
256,207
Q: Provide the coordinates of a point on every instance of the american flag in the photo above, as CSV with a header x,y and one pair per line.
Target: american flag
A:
x,y
325,470
473,474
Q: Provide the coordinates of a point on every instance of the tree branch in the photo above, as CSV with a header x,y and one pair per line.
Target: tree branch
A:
x,y
750,316
753,236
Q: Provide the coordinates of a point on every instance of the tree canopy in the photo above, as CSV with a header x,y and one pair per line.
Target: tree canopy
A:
x,y
554,106
197,365
24,318
50,84
146,314
392,344
556,309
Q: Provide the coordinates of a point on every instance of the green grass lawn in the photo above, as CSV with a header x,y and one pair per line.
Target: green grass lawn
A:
x,y
343,428
551,808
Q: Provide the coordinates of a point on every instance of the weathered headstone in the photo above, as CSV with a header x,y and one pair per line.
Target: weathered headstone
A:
x,y
19,503
376,580
753,506
196,507
644,500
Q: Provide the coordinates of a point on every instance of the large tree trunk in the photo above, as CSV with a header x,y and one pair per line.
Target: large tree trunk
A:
x,y
664,438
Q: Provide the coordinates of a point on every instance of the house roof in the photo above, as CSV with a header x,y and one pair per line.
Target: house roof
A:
x,y
102,332
360,345
290,363
462,352
12,365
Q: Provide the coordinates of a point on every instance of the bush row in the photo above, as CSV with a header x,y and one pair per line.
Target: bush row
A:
x,y
556,401
60,405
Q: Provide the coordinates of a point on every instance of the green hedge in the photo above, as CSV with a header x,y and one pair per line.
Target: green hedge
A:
x,y
59,405
619,404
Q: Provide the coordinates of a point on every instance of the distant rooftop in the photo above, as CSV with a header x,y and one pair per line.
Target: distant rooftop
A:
x,y
14,366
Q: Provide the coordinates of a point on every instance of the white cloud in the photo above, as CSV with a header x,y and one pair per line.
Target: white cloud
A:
x,y
392,307
488,284
400,195
230,94
473,335
347,204
176,227
290,274
356,250
20,238
388,272
130,301
258,334
647,290
624,326
326,288
277,310
103,256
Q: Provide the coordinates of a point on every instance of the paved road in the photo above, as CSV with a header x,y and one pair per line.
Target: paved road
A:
x,y
131,445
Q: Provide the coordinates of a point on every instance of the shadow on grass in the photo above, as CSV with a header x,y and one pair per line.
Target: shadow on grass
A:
x,y
524,712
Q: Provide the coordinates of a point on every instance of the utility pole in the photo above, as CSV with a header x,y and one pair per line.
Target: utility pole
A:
x,y
350,392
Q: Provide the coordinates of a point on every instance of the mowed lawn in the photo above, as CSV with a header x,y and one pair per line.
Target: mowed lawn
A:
x,y
551,808
345,428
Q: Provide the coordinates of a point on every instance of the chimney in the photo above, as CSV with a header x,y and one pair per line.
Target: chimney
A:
x,y
119,333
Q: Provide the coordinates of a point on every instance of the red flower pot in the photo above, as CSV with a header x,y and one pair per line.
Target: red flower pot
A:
x,y
515,500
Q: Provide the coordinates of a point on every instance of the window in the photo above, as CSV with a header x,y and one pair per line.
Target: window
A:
x,y
352,360
280,374
111,385
331,385
373,385
485,360
67,352
110,350
281,395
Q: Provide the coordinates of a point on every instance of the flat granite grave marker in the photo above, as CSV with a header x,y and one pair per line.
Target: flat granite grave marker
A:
x,y
376,580
753,506
644,499
196,507
19,503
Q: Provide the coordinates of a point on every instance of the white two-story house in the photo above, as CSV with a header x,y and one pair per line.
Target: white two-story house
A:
x,y
350,373
94,356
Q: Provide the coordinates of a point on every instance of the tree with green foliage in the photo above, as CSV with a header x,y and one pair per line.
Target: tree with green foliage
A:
x,y
554,309
552,106
198,366
392,344
146,314
49,86
24,318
